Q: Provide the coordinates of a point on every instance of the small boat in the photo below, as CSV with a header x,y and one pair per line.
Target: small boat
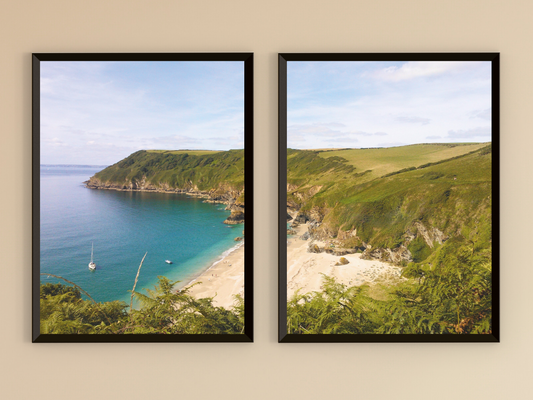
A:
x,y
168,261
92,265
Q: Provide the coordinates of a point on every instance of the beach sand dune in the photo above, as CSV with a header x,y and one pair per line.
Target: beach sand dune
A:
x,y
305,270
223,280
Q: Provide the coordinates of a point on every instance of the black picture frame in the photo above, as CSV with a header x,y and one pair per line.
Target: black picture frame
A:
x,y
248,66
283,60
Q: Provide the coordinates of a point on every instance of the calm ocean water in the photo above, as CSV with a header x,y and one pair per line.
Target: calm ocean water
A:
x,y
123,226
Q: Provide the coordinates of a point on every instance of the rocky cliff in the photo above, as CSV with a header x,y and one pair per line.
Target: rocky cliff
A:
x,y
347,242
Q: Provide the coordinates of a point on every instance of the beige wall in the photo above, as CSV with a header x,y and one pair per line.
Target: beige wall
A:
x,y
266,369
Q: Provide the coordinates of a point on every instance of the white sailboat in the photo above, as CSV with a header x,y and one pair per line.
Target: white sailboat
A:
x,y
92,265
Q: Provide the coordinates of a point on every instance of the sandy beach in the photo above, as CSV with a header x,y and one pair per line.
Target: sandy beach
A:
x,y
304,269
223,280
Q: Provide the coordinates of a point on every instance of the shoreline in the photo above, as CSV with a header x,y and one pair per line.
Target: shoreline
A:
x,y
223,279
304,269
192,193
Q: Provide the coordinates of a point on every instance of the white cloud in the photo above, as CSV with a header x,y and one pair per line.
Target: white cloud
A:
x,y
53,141
361,133
392,144
434,137
479,132
323,135
235,141
324,129
316,128
413,120
412,70
483,114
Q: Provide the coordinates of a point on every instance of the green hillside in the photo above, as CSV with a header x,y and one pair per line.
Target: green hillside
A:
x,y
445,187
427,208
177,169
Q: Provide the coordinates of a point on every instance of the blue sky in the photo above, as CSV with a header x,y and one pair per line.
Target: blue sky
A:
x,y
383,104
100,112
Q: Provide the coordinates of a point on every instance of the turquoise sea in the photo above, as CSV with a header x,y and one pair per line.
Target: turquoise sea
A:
x,y
124,226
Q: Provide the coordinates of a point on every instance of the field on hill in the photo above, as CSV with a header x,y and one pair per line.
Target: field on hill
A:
x,y
382,161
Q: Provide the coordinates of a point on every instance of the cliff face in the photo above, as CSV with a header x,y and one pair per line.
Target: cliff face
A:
x,y
236,217
340,242
237,210
142,185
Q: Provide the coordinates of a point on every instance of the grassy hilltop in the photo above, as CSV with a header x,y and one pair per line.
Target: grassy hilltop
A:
x,y
180,169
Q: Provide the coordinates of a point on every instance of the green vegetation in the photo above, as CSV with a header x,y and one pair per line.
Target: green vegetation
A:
x,y
419,249
178,169
452,195
433,202
62,310
383,161
452,295
189,152
162,311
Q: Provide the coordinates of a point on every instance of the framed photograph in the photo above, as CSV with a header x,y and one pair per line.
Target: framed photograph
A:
x,y
140,165
389,197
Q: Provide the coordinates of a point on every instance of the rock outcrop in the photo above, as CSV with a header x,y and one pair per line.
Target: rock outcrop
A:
x,y
401,254
431,235
305,236
342,261
395,256
236,217
337,251
314,248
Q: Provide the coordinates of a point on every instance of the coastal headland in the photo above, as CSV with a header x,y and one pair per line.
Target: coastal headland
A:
x,y
218,177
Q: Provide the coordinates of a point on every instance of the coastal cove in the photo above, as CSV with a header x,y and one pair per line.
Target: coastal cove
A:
x,y
123,225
